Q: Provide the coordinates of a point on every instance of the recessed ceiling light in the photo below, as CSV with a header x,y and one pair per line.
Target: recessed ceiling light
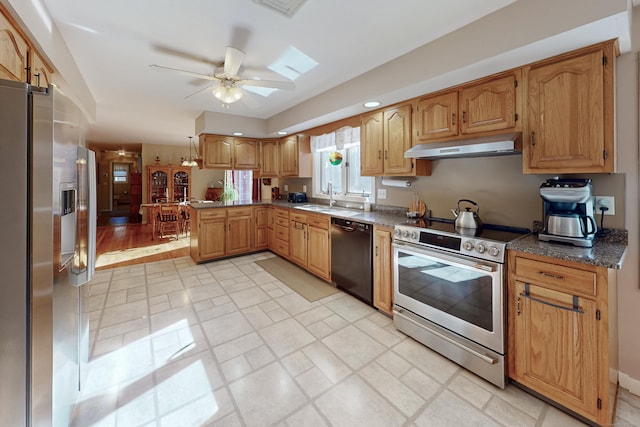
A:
x,y
237,134
282,132
371,104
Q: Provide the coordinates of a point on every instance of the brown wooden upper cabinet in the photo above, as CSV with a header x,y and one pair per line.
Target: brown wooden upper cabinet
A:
x,y
489,105
384,137
289,156
269,154
436,117
14,52
226,152
19,60
569,112
295,156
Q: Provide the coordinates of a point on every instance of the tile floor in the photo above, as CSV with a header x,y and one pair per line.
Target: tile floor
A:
x,y
226,344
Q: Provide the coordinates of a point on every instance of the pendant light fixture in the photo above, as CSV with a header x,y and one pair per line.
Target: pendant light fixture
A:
x,y
191,162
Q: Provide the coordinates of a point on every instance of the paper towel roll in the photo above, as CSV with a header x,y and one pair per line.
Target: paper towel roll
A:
x,y
395,183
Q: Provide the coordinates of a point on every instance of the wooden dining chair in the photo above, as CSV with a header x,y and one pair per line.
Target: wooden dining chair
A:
x,y
168,220
185,220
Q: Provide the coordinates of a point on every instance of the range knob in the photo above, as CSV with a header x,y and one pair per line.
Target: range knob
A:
x,y
414,235
468,245
398,232
493,251
405,233
481,248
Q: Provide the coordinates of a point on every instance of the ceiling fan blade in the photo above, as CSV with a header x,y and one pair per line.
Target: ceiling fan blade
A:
x,y
232,61
268,84
199,91
185,55
183,72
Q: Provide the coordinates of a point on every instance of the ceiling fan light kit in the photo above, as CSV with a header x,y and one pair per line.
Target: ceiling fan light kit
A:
x,y
227,93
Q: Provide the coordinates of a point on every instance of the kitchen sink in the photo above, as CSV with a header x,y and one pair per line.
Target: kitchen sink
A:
x,y
329,210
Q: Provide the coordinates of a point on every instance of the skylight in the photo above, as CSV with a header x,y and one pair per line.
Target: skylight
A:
x,y
292,64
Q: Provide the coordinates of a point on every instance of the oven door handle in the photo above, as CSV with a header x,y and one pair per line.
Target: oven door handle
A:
x,y
488,359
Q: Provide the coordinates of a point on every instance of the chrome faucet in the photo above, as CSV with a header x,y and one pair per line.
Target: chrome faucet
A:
x,y
330,191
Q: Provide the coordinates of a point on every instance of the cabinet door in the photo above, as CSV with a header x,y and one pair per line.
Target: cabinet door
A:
x,y
158,178
246,153
319,252
216,151
40,72
382,270
261,230
298,243
555,346
240,230
371,144
211,236
488,106
269,159
436,117
289,156
181,189
567,106
397,140
14,52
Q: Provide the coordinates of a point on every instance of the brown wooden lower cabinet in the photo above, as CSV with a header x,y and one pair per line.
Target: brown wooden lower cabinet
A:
x,y
261,231
560,333
382,269
319,246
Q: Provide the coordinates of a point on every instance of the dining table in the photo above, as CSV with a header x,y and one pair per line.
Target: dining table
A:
x,y
153,209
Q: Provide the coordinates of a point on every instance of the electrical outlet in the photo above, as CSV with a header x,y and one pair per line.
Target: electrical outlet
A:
x,y
304,188
286,187
605,201
382,194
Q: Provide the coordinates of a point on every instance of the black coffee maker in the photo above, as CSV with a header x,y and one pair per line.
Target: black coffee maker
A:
x,y
568,211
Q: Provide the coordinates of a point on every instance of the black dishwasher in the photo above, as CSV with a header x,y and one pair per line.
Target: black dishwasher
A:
x,y
351,271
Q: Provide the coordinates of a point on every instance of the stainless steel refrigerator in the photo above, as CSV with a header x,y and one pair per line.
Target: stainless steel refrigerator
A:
x,y
48,223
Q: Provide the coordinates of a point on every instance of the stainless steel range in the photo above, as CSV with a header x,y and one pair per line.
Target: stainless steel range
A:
x,y
449,290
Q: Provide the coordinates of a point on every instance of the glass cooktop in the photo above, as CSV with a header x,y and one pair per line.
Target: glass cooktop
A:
x,y
444,226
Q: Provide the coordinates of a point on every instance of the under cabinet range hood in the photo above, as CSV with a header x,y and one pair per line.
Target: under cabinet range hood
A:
x,y
494,145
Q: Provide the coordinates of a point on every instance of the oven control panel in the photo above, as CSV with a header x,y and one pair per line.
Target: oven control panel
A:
x,y
465,245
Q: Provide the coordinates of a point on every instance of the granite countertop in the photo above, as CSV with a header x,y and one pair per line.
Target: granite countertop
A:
x,y
387,217
608,250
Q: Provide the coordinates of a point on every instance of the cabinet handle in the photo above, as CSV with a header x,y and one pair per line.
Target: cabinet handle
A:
x,y
575,308
379,154
553,276
464,118
453,119
533,138
376,251
518,306
386,155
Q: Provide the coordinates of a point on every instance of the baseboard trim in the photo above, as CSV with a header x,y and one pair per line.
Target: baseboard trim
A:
x,y
631,384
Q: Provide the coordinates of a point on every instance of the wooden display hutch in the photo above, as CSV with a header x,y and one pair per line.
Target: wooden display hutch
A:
x,y
168,184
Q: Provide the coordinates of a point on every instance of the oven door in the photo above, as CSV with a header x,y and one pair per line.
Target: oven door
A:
x,y
455,292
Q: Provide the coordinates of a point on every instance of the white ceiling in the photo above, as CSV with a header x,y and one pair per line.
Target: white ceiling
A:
x,y
114,42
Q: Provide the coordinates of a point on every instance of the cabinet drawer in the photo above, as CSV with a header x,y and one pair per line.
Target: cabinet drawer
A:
x,y
282,222
239,211
556,276
298,217
212,213
282,247
319,221
281,213
282,233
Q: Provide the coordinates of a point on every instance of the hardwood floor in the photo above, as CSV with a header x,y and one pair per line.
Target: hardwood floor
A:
x,y
128,244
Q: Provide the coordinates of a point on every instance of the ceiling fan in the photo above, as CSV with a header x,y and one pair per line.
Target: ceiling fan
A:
x,y
228,86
